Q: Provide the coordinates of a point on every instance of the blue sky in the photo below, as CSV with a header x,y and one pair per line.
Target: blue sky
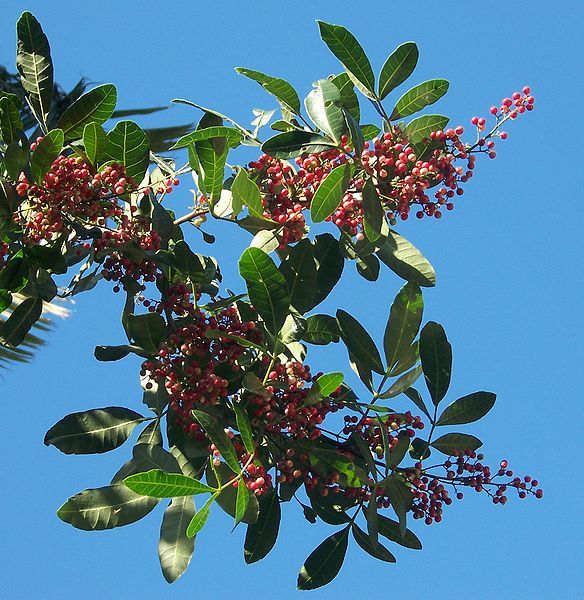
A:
x,y
509,287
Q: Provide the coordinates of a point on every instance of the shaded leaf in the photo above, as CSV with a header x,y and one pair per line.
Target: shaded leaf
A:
x,y
359,342
467,409
391,530
300,272
147,330
456,442
208,133
330,265
218,436
279,88
436,357
261,536
291,144
377,551
321,330
228,497
45,153
325,562
323,107
397,68
15,329
400,496
95,106
246,193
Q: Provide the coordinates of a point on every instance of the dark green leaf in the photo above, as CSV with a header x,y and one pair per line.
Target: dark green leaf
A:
x,y
359,342
175,549
420,128
218,436
328,462
371,516
261,536
95,142
228,497
95,106
266,287
377,551
10,121
19,323
343,44
291,144
467,409
416,398
403,324
150,435
246,193
105,508
321,330
325,562
147,456
129,145
407,360
399,451
330,193
403,383
400,496
45,153
147,330
93,431
349,100
5,300
373,213
15,160
370,131
111,353
405,260
397,68
456,442
158,484
244,426
330,265
241,501
211,157
391,530
33,61
300,272
279,88
436,357
419,97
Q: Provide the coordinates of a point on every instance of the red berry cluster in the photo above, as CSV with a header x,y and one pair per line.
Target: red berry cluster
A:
x,y
3,253
132,231
286,407
464,469
70,191
188,362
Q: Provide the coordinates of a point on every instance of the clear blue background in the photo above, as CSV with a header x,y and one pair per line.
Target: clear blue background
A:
x,y
509,293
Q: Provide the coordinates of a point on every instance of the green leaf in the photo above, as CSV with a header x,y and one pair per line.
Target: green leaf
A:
x,y
330,193
377,551
397,68
147,330
175,549
246,193
228,497
279,88
323,107
266,287
261,536
408,359
416,398
33,61
158,484
371,516
5,300
211,158
291,144
349,100
111,353
330,264
232,135
300,272
95,142
399,451
343,44
329,382
214,334
95,106
370,131
244,426
19,323
355,132
218,436
403,323
15,160
105,508
10,121
456,442
321,330
467,409
325,562
45,153
420,128
400,496
403,383
419,97
391,530
146,456
241,501
200,518
93,431
359,342
330,462
150,435
128,144
436,357
373,213
405,260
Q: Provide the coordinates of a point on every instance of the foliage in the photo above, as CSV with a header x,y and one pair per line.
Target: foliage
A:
x,y
232,412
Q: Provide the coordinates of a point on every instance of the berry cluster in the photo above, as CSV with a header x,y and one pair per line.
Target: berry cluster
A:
x,y
402,173
286,406
189,362
70,191
4,248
